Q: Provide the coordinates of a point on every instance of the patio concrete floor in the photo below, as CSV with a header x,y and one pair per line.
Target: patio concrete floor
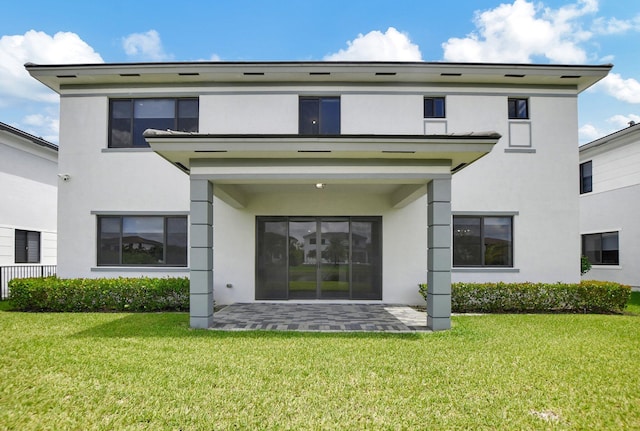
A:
x,y
320,318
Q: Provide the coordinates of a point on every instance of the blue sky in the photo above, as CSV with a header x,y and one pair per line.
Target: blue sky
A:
x,y
513,31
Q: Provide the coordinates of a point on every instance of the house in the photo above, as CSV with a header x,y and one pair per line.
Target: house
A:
x,y
228,169
609,206
28,189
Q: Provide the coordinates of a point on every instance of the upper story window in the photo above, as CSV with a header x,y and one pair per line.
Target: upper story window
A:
x,y
586,179
483,241
27,246
319,116
434,107
518,108
142,240
129,118
601,248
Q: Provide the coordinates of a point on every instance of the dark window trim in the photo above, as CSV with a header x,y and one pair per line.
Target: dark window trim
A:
x,y
586,181
482,242
433,108
516,116
132,100
165,218
21,253
600,251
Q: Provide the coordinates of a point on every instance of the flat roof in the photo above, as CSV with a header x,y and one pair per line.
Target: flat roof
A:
x,y
62,76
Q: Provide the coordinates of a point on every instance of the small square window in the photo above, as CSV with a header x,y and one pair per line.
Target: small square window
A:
x,y
319,116
483,241
518,109
434,107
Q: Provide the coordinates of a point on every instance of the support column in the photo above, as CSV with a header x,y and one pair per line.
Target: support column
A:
x,y
439,254
201,239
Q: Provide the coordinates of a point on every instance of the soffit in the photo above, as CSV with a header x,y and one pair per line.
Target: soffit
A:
x,y
61,77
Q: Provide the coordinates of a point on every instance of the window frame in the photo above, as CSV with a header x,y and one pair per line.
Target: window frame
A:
x,y
100,253
516,101
483,244
319,100
586,186
601,262
23,256
433,108
177,118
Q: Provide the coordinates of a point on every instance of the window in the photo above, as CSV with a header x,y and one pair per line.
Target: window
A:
x,y
142,240
518,109
129,118
586,180
482,241
601,248
319,116
434,107
27,246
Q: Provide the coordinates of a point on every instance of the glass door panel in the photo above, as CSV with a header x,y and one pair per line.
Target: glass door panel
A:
x,y
303,278
334,265
366,262
271,262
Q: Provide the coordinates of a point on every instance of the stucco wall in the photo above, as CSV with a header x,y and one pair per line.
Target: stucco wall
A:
x,y
106,180
539,186
404,238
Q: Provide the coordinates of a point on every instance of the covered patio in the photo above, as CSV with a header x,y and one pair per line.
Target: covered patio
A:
x,y
236,168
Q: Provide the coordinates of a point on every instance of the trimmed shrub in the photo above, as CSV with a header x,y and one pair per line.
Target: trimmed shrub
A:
x,y
100,294
584,297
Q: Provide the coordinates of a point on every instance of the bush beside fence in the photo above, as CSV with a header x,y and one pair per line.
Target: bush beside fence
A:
x,y
100,294
584,297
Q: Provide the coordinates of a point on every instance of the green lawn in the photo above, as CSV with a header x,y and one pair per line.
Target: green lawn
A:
x,y
151,372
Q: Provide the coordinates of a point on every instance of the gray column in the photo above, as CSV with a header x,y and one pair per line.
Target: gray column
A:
x,y
201,276
439,254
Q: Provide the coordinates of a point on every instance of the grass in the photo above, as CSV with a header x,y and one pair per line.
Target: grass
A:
x,y
151,372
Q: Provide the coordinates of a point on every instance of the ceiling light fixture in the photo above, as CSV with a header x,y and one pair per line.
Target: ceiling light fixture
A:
x,y
320,186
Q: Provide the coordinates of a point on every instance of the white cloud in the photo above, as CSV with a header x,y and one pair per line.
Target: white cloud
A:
x,y
145,46
621,121
46,126
37,47
626,90
589,132
520,31
377,46
611,26
215,57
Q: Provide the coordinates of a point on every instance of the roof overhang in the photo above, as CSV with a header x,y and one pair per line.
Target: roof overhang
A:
x,y
72,76
240,166
460,150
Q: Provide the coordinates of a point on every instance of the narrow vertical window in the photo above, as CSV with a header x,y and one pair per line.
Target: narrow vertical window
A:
x,y
586,179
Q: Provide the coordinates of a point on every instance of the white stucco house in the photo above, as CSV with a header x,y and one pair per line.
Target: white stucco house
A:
x,y
319,181
28,211
609,206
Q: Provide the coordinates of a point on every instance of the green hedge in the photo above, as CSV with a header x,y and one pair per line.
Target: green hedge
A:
x,y
584,297
100,294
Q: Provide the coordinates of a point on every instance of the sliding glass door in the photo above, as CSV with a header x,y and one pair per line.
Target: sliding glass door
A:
x,y
319,258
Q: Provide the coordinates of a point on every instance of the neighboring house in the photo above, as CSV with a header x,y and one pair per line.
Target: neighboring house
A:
x,y
28,195
610,204
402,165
